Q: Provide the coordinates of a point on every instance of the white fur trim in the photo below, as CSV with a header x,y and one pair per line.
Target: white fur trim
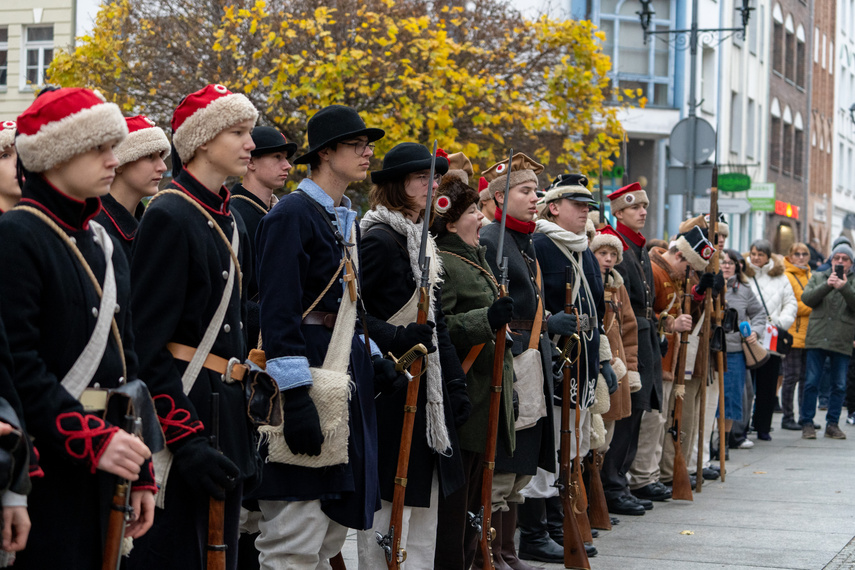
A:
x,y
205,124
590,229
142,143
619,367
517,177
602,402
634,381
598,432
605,348
62,140
630,199
7,134
608,240
697,262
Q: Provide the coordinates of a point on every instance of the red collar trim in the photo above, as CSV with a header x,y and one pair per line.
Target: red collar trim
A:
x,y
631,235
224,208
514,224
46,210
116,225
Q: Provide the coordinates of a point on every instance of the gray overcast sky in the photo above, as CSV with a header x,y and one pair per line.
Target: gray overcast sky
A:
x,y
86,11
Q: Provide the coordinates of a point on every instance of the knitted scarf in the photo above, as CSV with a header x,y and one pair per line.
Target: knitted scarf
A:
x,y
437,432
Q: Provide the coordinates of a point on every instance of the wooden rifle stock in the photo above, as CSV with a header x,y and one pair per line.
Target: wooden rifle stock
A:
x,y
681,484
120,508
217,547
487,531
598,509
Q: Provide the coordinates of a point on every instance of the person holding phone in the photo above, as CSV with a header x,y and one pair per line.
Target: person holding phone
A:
x,y
831,331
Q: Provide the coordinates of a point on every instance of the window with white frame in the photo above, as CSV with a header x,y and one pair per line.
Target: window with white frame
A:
x,y
4,56
38,53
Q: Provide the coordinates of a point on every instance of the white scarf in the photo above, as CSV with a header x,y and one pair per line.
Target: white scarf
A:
x,y
437,432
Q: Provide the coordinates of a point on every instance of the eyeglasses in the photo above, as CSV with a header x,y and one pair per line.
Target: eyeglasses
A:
x,y
727,262
423,178
801,254
360,146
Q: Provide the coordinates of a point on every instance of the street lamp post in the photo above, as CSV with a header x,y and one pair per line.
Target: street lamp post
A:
x,y
693,34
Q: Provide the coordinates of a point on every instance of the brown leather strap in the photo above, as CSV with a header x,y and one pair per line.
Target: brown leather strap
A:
x,y
470,358
213,363
521,325
320,318
534,340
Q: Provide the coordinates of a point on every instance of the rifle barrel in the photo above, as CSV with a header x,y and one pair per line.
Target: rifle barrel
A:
x,y
501,260
423,261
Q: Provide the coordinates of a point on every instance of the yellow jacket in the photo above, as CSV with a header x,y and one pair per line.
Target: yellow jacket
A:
x,y
798,279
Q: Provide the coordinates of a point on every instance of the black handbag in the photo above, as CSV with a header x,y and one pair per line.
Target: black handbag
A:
x,y
785,339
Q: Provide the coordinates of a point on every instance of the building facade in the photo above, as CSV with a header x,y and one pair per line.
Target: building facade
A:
x,y
843,171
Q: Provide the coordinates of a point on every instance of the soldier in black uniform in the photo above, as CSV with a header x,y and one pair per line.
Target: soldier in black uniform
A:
x,y
252,198
140,170
190,271
59,328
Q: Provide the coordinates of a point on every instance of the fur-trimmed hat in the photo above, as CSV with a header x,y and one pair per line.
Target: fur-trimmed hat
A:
x,y
608,237
696,248
144,138
723,228
203,115
523,169
66,122
628,196
703,221
453,197
483,191
572,187
460,166
7,134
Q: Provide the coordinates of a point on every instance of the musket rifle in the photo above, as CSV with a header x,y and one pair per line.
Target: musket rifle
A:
x,y
682,486
121,511
216,547
391,541
716,322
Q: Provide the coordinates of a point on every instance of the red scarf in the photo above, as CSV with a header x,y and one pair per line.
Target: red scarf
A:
x,y
514,224
631,235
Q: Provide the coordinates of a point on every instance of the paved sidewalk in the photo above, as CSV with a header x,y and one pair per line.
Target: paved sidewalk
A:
x,y
788,503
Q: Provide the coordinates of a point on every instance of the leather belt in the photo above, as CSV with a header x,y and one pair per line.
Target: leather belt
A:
x,y
649,314
521,325
213,363
320,318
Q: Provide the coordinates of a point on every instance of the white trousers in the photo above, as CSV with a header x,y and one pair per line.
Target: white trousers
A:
x,y
418,535
542,485
297,535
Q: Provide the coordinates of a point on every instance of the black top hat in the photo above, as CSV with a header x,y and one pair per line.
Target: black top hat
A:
x,y
332,124
269,140
405,158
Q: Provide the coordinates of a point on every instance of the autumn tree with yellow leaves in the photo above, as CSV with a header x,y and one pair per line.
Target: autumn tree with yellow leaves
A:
x,y
479,77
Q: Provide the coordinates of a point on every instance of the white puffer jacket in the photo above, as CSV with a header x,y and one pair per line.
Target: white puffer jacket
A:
x,y
777,291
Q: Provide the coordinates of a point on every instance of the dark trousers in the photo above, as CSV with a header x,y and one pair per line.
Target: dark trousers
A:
x,y
765,390
839,364
850,385
620,455
179,537
794,375
456,539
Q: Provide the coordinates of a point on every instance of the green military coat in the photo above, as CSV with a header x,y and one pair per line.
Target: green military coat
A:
x,y
467,292
832,321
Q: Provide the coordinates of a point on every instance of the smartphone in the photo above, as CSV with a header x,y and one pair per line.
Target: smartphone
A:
x,y
838,269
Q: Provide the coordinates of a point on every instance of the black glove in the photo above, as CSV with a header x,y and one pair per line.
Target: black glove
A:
x,y
718,285
205,468
459,400
300,422
663,347
610,376
501,312
561,324
707,281
411,335
387,380
516,401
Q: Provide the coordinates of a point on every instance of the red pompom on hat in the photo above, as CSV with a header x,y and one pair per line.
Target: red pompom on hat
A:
x,y
628,196
61,124
144,138
7,134
203,115
608,237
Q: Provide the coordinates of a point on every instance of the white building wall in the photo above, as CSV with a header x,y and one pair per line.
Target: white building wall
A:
x,y
843,195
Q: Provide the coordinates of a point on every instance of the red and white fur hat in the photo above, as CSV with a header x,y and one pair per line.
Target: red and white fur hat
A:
x,y
144,138
608,237
203,115
64,123
7,134
628,196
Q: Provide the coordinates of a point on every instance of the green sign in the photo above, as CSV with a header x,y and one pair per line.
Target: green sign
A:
x,y
733,182
761,196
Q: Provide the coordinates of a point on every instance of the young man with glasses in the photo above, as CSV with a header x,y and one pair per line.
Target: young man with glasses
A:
x,y
307,250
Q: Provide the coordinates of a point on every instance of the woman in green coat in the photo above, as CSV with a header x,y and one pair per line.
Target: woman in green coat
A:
x,y
473,313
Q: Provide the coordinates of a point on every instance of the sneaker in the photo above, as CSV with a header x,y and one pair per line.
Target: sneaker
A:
x,y
851,419
834,432
808,431
746,444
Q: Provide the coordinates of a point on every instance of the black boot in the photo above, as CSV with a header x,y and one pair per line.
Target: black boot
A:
x,y
535,543
509,529
555,519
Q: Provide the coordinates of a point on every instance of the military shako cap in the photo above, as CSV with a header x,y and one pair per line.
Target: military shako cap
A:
x,y
406,158
269,140
333,124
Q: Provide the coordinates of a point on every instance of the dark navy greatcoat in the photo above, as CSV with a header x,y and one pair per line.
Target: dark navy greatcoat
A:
x,y
49,307
119,222
251,210
388,285
535,445
297,256
553,263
